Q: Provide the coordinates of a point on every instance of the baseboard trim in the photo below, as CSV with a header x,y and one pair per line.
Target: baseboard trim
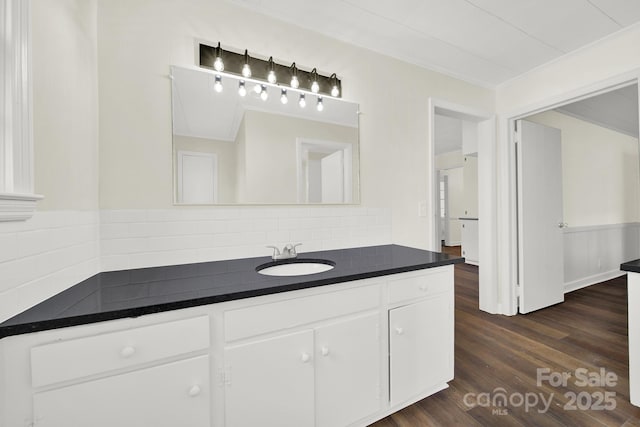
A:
x,y
592,280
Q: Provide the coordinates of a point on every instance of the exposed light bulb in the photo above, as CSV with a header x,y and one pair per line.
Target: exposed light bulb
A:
x,y
257,88
320,104
283,97
271,77
217,86
335,91
242,89
218,65
263,93
295,83
302,102
246,71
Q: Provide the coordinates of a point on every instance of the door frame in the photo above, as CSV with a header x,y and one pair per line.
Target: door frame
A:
x,y
489,292
507,208
329,146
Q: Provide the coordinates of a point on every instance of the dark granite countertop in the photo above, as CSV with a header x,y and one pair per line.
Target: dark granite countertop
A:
x,y
132,293
631,266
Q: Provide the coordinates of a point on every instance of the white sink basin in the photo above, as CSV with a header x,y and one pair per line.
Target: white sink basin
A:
x,y
296,268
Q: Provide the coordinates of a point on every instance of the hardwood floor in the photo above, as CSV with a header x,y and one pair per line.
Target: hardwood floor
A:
x,y
500,355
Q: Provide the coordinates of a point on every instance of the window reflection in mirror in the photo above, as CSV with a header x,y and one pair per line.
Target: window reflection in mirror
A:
x,y
229,149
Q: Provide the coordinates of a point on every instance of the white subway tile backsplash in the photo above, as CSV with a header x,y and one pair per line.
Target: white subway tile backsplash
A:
x,y
208,234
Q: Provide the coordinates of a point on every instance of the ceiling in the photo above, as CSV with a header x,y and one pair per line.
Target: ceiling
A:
x,y
486,42
616,110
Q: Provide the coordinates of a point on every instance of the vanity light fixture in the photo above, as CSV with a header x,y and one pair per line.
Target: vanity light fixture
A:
x,y
283,96
263,93
315,87
217,86
246,69
295,83
218,65
335,90
302,102
256,70
271,77
242,89
320,105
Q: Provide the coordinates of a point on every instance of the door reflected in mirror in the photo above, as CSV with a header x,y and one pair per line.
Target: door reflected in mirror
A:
x,y
233,149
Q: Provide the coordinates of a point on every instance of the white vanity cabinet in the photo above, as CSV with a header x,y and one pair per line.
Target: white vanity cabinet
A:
x,y
421,345
325,371
152,371
341,355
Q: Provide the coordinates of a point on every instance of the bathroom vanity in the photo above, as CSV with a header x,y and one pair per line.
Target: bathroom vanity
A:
x,y
217,344
633,283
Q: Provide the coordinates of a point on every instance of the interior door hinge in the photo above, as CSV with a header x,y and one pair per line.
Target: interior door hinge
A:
x,y
224,377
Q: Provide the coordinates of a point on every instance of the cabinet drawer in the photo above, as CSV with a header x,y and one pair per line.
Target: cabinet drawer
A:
x,y
76,358
418,286
261,319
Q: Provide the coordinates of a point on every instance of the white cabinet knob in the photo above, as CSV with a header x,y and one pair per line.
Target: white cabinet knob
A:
x,y
194,391
325,351
399,331
305,357
128,351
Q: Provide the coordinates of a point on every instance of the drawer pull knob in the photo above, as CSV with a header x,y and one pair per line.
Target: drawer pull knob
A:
x,y
424,288
399,331
128,351
325,351
194,391
305,358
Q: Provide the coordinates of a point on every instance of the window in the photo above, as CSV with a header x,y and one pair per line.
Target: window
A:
x,y
17,201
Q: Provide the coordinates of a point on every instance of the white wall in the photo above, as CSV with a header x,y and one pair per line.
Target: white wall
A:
x,y
58,247
600,177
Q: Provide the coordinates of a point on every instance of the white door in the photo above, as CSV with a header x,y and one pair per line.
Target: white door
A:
x,y
175,394
421,347
333,177
197,177
540,220
271,382
348,371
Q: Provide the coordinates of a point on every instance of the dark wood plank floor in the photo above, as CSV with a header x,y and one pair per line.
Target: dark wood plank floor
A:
x,y
498,355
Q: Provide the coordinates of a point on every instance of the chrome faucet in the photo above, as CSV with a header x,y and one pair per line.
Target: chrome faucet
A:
x,y
289,251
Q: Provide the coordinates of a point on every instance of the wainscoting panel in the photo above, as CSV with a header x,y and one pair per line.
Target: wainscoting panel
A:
x,y
594,254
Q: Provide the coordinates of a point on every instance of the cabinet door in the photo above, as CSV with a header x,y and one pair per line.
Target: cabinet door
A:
x,y
271,382
348,369
421,346
175,394
470,240
470,187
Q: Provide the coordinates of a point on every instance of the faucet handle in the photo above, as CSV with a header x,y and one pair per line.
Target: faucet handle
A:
x,y
276,251
293,248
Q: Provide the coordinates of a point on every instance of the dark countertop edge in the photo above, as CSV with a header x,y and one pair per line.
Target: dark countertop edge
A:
x,y
631,266
31,327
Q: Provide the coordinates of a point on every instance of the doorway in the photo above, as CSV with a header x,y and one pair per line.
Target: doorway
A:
x,y
473,133
599,190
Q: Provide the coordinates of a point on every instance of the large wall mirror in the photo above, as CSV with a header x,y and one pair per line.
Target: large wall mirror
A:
x,y
232,149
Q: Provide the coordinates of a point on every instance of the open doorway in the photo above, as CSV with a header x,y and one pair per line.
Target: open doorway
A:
x,y
576,229
460,135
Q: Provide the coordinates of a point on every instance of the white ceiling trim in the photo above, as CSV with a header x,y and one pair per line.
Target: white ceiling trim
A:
x,y
576,52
